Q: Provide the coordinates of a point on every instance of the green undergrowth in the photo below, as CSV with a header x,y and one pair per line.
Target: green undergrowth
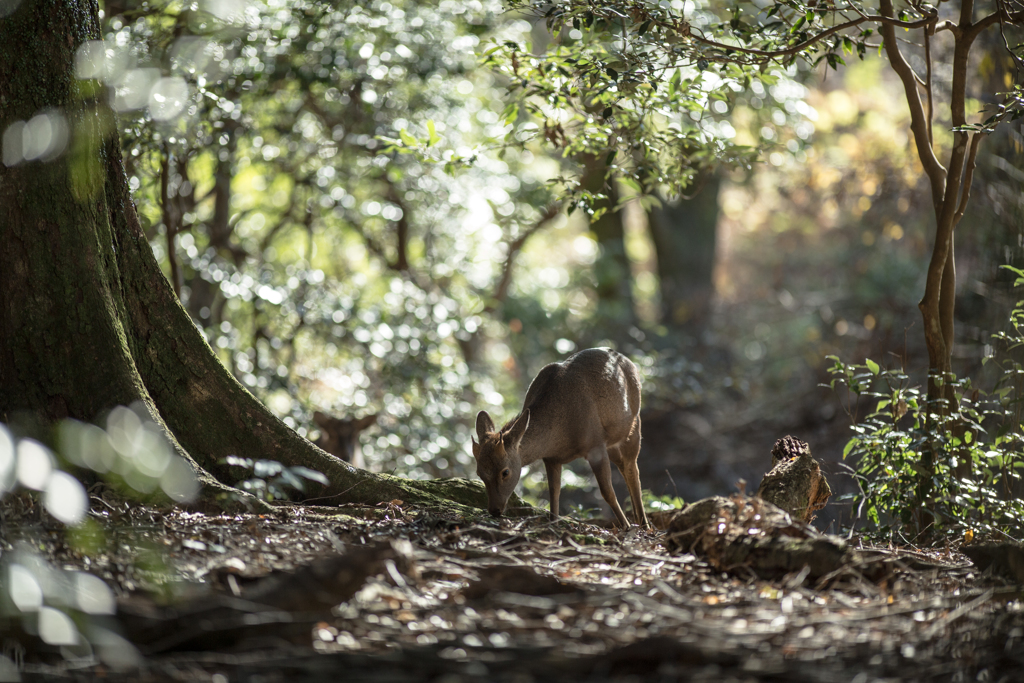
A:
x,y
932,468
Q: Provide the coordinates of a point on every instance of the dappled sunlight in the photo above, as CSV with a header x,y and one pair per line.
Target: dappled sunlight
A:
x,y
131,88
365,224
132,450
810,255
44,137
62,607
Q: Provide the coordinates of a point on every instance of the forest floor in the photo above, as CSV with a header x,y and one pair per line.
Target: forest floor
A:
x,y
392,593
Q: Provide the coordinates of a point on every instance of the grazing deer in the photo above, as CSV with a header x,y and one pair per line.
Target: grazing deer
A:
x,y
587,406
340,436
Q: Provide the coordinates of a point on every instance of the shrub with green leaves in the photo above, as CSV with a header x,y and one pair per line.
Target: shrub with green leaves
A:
x,y
928,466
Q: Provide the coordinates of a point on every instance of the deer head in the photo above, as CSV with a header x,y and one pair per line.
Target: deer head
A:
x,y
340,436
498,462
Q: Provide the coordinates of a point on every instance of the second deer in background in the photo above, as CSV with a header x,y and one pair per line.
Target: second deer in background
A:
x,y
340,436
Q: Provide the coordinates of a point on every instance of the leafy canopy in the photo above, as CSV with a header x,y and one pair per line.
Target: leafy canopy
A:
x,y
648,84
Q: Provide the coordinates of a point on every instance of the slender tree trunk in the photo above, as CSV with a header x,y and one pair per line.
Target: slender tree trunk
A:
x,y
87,319
950,186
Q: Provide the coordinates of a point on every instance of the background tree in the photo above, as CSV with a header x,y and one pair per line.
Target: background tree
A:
x,y
648,64
685,233
328,271
88,319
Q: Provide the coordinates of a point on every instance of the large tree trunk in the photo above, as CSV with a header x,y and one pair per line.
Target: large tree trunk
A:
x,y
684,233
612,272
87,319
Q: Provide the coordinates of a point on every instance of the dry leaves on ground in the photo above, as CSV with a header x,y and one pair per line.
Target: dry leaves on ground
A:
x,y
396,594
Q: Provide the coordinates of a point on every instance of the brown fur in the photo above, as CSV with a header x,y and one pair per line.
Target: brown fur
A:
x,y
587,406
340,436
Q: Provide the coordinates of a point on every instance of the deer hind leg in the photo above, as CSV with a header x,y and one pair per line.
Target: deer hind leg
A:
x,y
629,451
600,464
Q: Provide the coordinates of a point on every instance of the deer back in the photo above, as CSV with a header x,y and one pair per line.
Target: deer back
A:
x,y
591,398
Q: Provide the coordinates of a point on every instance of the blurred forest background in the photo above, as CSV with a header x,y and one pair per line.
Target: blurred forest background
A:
x,y
350,210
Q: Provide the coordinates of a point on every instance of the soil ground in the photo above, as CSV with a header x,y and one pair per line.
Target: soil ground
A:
x,y
391,593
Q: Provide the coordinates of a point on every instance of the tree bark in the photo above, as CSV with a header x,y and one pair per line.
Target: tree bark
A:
x,y
612,272
950,187
87,319
684,234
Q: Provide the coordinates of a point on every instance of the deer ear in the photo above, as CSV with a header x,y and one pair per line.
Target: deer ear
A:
x,y
321,419
484,424
364,422
517,431
476,448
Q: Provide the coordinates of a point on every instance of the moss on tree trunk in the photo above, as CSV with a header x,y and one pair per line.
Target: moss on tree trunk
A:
x,y
87,319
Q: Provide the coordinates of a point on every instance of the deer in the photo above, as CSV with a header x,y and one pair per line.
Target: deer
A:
x,y
587,406
340,436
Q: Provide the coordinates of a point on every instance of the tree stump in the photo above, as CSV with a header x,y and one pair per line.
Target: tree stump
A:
x,y
769,533
795,482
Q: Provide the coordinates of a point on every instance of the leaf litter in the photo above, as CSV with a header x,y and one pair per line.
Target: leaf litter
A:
x,y
391,593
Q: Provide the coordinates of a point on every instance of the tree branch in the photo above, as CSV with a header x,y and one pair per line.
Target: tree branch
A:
x,y
919,124
928,82
973,30
514,247
799,47
965,185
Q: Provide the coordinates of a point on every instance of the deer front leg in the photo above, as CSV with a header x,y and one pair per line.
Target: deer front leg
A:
x,y
554,471
602,467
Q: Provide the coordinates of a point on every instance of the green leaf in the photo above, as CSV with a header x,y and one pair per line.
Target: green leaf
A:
x,y
872,366
510,114
408,138
310,474
432,132
673,83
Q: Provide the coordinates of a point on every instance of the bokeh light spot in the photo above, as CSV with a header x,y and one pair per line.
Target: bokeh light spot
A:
x,y
35,464
44,137
66,498
93,595
7,460
179,481
56,628
168,98
25,591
